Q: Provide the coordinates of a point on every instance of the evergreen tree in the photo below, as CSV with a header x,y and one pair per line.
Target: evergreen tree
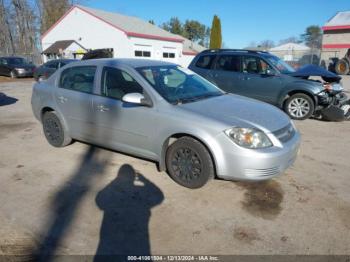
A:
x,y
215,35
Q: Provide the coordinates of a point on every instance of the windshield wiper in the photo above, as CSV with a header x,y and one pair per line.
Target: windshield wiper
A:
x,y
195,98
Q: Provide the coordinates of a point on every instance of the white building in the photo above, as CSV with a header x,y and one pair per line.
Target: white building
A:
x,y
127,36
290,51
336,36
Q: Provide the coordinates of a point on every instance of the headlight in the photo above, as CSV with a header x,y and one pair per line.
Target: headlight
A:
x,y
337,87
322,93
20,69
248,137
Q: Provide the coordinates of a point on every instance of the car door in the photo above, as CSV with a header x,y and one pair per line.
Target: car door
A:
x,y
4,67
1,66
122,126
226,73
73,97
50,68
259,80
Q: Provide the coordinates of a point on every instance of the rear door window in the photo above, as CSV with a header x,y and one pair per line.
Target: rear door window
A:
x,y
205,61
79,78
229,63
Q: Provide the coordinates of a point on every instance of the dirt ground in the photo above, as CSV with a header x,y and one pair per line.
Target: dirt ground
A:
x,y
84,200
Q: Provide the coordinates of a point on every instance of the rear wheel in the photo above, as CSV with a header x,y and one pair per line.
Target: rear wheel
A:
x,y
342,67
189,163
54,131
299,106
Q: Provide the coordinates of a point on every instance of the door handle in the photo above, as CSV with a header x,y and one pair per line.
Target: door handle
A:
x,y
102,108
62,99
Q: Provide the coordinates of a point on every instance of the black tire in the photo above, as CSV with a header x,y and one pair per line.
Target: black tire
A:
x,y
13,74
342,67
54,131
189,163
291,104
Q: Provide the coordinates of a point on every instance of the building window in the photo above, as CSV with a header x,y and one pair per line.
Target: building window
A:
x,y
169,55
138,53
142,53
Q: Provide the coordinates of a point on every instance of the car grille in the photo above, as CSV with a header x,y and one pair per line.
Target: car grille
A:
x,y
262,172
285,134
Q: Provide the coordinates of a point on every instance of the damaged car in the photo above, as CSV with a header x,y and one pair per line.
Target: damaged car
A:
x,y
310,91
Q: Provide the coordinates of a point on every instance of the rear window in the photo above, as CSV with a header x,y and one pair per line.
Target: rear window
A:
x,y
205,61
79,78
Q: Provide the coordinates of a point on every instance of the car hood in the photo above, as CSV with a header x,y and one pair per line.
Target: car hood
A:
x,y
312,70
233,110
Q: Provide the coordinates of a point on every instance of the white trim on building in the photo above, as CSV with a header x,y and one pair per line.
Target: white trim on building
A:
x,y
129,37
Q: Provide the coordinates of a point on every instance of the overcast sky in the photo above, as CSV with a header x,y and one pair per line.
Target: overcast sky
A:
x,y
242,21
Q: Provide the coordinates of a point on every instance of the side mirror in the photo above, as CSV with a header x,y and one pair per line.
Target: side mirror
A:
x,y
270,72
137,99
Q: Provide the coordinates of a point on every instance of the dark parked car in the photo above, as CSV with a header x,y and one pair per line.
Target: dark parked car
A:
x,y
16,67
263,76
98,53
46,70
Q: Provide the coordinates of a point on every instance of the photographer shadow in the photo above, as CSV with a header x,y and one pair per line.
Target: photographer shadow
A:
x,y
126,202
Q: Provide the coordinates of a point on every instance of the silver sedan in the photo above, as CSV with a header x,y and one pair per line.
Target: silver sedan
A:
x,y
168,114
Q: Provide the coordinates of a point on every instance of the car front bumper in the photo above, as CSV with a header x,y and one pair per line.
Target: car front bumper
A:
x,y
25,73
237,163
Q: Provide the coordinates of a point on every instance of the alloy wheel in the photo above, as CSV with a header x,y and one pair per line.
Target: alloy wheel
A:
x,y
299,107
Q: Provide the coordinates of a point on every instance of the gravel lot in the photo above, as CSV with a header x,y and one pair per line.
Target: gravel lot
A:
x,y
79,200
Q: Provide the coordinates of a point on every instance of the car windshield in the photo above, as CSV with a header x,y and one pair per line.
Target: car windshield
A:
x,y
178,85
282,66
16,61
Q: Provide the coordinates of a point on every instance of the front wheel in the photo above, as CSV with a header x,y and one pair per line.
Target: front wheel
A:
x,y
13,74
54,131
299,106
189,163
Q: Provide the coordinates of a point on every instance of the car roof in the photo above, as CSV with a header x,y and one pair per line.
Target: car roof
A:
x,y
234,51
62,60
131,62
12,57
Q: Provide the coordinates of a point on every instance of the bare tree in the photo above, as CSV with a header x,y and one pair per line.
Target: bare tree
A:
x,y
266,44
6,37
291,39
52,11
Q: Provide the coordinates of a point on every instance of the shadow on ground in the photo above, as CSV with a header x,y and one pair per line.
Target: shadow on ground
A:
x,y
126,203
7,100
66,201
